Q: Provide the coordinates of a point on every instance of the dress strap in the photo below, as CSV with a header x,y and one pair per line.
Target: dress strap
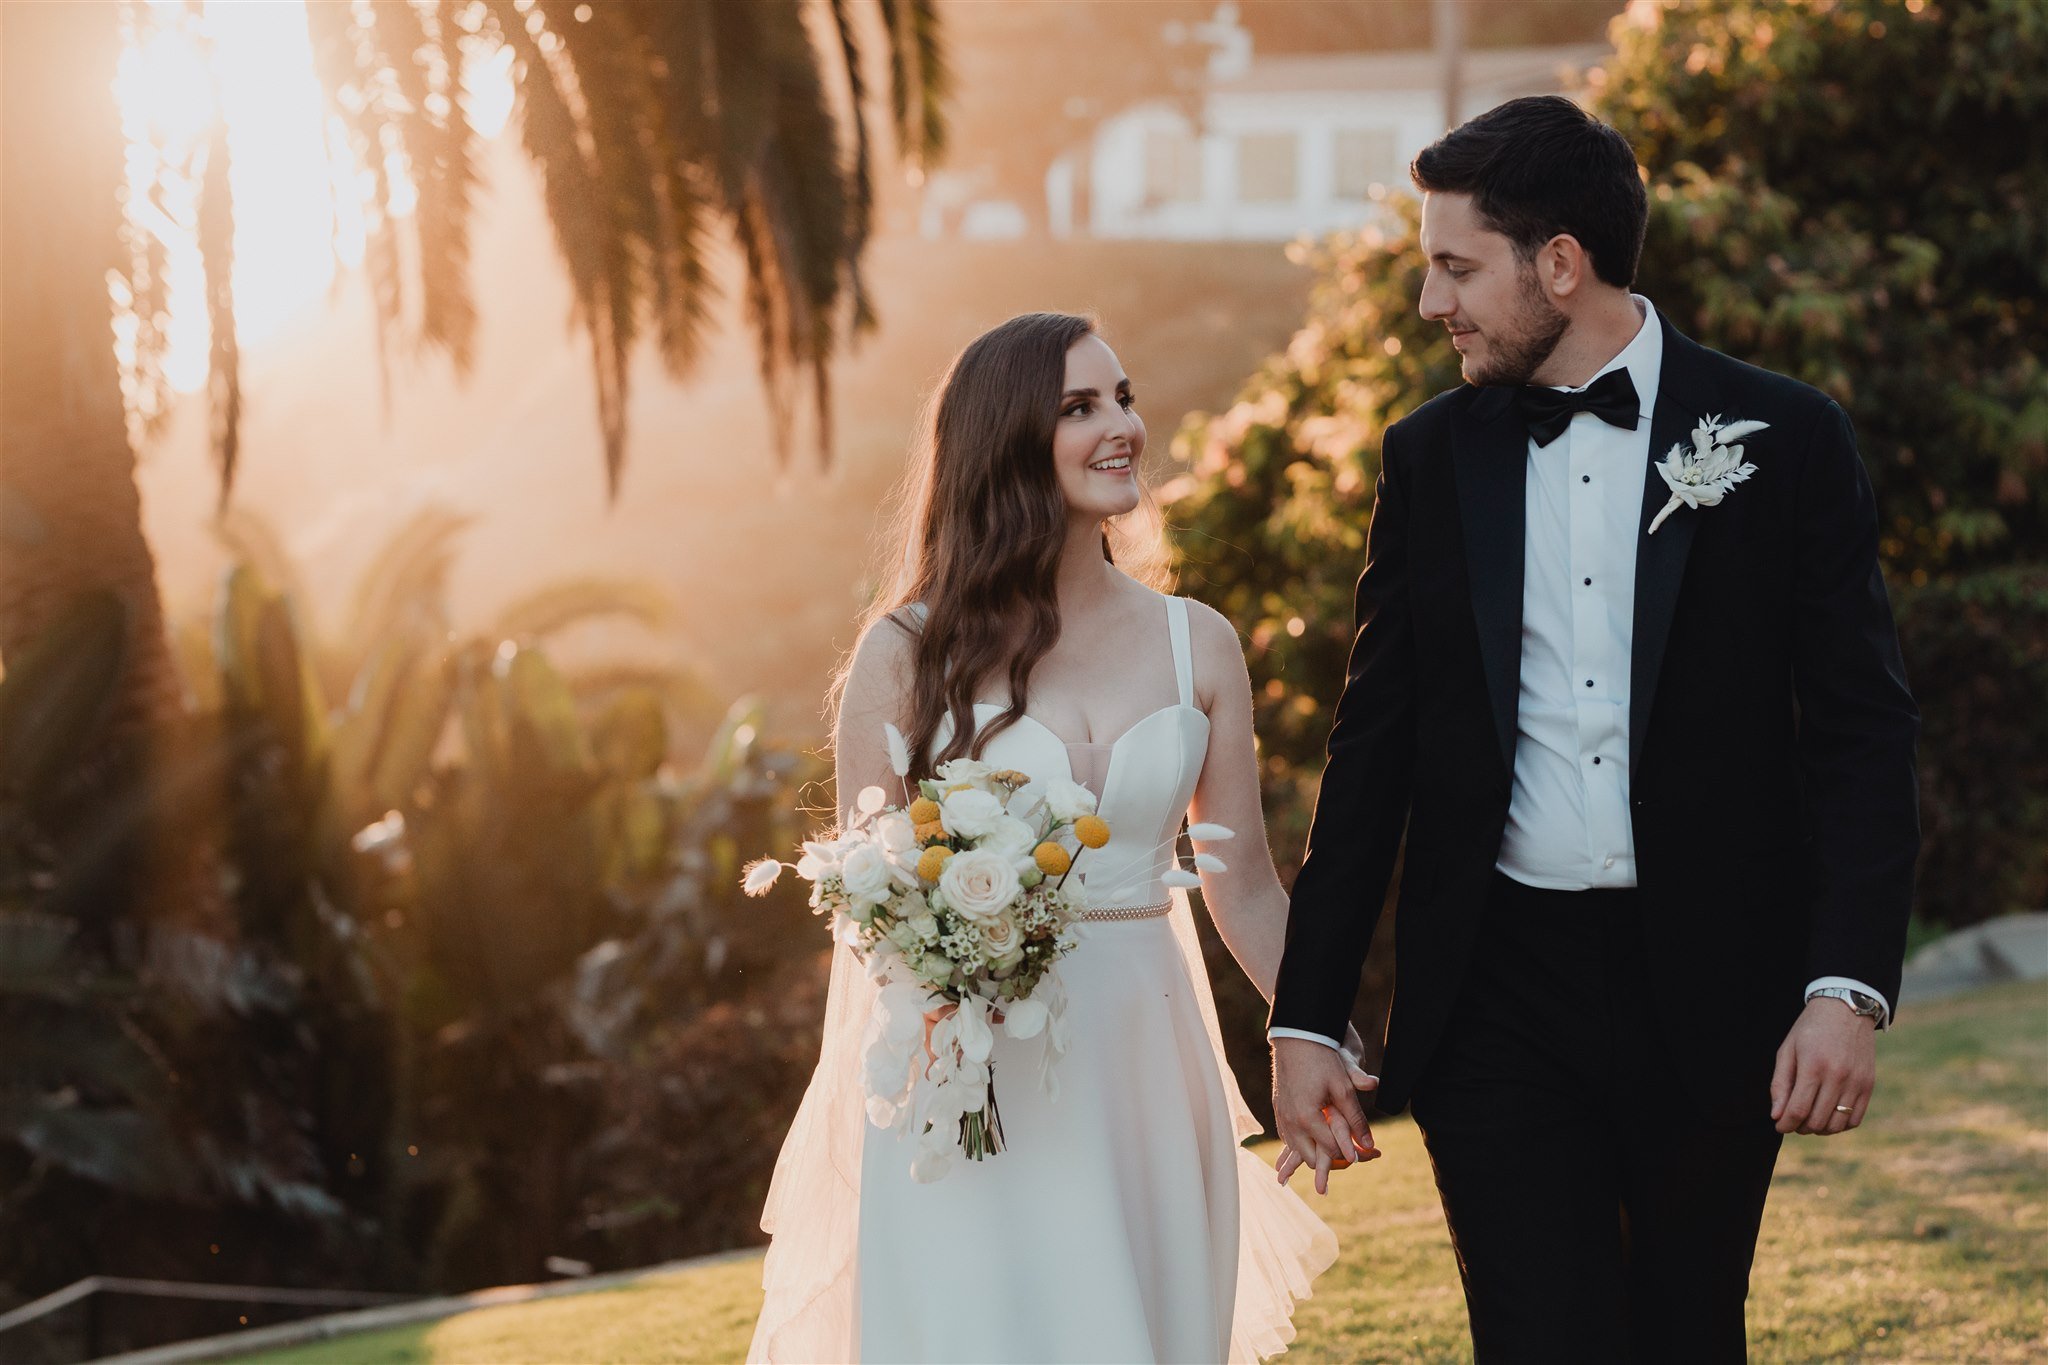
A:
x,y
1183,652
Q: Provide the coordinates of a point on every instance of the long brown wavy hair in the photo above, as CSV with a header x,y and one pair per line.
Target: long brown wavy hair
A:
x,y
981,529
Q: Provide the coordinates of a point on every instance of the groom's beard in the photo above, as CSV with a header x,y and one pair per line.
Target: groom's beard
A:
x,y
1515,352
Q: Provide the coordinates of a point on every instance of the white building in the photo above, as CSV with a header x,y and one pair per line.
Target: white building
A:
x,y
1285,146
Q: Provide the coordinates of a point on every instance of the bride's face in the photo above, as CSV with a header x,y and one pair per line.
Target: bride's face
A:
x,y
1099,436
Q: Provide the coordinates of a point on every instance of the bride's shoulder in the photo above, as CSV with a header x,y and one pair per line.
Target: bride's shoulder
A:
x,y
883,655
1217,647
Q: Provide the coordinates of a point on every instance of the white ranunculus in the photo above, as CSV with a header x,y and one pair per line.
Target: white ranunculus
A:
x,y
1012,836
980,884
896,832
971,813
866,875
964,770
1068,800
924,926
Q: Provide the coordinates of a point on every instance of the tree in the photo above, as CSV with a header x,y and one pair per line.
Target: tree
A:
x,y
1835,194
655,124
1838,193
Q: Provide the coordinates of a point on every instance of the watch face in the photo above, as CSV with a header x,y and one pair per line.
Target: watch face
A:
x,y
1864,1004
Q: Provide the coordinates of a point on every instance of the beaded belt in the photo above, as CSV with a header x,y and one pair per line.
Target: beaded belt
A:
x,y
1130,911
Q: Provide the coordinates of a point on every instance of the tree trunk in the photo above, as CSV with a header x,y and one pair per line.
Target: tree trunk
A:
x,y
70,512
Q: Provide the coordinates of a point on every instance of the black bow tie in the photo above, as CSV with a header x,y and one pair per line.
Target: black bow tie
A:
x,y
1611,398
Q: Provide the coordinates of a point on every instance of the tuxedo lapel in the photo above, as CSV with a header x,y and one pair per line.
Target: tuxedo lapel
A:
x,y
1660,558
1490,454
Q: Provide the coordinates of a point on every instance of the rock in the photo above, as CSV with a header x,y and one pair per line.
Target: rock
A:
x,y
2011,948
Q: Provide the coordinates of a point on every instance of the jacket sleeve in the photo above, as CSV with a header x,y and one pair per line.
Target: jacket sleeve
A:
x,y
1362,804
1857,721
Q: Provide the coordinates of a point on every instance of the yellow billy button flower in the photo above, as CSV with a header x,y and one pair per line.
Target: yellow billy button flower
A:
x,y
930,831
923,811
1092,831
1052,860
933,862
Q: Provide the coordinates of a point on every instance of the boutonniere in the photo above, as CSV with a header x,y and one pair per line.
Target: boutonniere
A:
x,y
1702,476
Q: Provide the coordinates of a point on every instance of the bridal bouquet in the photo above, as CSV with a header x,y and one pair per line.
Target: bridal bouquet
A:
x,y
956,898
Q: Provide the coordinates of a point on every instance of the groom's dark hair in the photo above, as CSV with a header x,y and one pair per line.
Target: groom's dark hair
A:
x,y
1538,167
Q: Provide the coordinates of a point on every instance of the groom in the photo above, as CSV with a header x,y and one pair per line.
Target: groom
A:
x,y
1626,674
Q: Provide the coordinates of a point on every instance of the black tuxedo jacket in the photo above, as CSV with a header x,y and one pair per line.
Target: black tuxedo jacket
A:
x,y
1771,734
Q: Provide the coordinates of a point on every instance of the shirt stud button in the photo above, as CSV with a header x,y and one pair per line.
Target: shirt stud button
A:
x,y
1589,582
1589,682
1585,478
1596,762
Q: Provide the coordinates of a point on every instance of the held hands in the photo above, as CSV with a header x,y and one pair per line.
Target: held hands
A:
x,y
1826,1068
1316,1108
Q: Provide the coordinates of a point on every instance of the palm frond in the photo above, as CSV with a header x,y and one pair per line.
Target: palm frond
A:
x,y
141,289
356,86
217,260
557,136
920,81
561,605
248,537
419,49
861,209
403,592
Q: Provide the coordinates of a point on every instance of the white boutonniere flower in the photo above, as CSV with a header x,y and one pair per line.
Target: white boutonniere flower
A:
x,y
1702,476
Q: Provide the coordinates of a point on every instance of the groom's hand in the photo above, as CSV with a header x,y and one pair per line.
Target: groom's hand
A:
x,y
1826,1068
1316,1108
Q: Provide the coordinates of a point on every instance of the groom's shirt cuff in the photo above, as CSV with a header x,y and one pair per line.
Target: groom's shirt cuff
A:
x,y
1884,1018
1330,1043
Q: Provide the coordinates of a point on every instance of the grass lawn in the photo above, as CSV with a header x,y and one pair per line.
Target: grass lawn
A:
x,y
1921,1237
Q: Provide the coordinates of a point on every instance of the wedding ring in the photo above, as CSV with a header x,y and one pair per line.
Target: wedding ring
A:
x,y
1845,1109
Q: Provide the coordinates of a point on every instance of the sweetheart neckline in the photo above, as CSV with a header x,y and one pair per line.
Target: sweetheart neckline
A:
x,y
1061,740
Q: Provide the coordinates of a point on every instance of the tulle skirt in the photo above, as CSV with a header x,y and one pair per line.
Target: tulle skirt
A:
x,y
1123,1222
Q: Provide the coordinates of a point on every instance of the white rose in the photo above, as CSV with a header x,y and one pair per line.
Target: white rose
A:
x,y
971,813
1000,934
866,875
896,832
1005,944
1068,800
964,770
1012,836
925,927
979,884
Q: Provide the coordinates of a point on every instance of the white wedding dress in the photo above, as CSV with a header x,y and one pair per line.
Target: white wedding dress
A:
x,y
1122,1221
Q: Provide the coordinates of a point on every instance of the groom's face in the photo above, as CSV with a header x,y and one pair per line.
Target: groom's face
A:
x,y
1502,323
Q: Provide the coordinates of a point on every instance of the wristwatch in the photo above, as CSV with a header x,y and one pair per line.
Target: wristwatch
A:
x,y
1859,1002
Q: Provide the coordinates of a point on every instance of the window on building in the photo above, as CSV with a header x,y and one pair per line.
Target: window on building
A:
x,y
1364,158
1173,167
1266,168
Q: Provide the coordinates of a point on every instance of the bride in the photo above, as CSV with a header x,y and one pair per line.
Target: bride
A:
x,y
1122,1220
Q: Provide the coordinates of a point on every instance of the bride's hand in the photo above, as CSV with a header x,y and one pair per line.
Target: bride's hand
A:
x,y
1352,1051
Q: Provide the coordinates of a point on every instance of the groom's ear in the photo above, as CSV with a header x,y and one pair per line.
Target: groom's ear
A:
x,y
1564,268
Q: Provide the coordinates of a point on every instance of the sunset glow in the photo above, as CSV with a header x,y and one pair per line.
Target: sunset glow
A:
x,y
299,203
